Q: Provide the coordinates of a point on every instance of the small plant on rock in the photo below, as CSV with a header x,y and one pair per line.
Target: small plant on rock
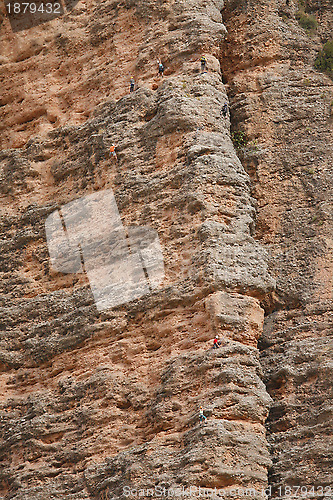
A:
x,y
239,139
324,61
307,21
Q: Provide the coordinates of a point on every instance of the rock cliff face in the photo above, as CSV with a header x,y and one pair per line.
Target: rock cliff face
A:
x,y
285,108
96,402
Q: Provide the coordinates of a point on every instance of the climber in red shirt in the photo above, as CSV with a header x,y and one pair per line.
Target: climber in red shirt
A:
x,y
113,153
216,344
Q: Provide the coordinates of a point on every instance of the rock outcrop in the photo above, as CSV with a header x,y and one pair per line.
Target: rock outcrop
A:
x,y
96,402
283,105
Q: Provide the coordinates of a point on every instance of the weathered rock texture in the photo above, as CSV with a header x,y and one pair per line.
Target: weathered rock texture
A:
x,y
285,108
93,402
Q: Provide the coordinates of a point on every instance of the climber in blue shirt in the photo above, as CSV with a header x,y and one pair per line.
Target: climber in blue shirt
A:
x,y
160,68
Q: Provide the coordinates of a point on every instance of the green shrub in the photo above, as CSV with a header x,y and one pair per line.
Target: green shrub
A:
x,y
307,21
324,61
239,139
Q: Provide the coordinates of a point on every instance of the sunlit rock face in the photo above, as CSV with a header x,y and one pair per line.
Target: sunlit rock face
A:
x,y
99,400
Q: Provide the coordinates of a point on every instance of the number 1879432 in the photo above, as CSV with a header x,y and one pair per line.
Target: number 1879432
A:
x,y
33,8
305,492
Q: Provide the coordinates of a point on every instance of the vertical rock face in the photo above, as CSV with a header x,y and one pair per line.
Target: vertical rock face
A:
x,y
284,107
94,403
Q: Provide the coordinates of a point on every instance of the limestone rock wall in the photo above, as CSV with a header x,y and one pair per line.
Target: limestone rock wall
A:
x,y
94,402
284,107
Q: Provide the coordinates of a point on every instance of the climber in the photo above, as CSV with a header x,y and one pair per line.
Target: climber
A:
x,y
202,417
132,84
203,61
216,343
225,110
112,152
160,67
